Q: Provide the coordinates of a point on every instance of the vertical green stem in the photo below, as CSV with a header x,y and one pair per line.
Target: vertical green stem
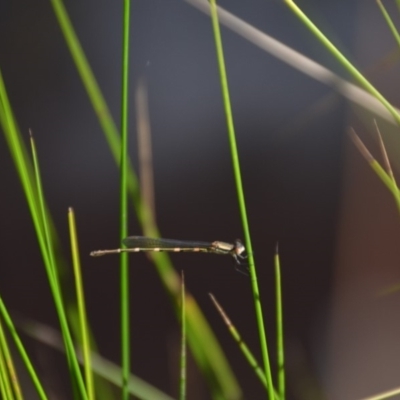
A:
x,y
279,327
182,386
124,272
239,188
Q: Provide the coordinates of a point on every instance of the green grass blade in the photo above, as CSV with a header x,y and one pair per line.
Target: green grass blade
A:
x,y
182,380
85,342
124,271
279,327
10,364
343,60
389,21
52,273
240,193
3,392
242,345
7,391
18,343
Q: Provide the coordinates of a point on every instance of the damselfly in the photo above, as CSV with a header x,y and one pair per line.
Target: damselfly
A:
x,y
135,244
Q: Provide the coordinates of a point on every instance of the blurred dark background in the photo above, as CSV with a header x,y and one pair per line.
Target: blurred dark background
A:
x,y
292,162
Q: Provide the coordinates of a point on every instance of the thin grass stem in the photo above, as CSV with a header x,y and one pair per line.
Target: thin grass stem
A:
x,y
343,60
84,329
279,327
389,22
182,380
240,193
52,274
124,271
242,345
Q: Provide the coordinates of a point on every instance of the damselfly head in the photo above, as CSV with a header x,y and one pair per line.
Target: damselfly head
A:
x,y
239,247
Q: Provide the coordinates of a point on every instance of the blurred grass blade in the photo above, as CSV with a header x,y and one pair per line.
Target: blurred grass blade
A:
x,y
109,371
52,273
84,337
123,165
208,353
240,193
385,178
297,60
145,155
279,327
389,21
5,350
388,167
385,395
242,345
24,356
343,60
182,381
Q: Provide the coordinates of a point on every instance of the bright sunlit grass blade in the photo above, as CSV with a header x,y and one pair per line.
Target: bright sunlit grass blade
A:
x,y
24,356
240,193
207,353
242,345
83,325
101,367
182,380
279,327
389,21
343,60
124,271
384,177
52,273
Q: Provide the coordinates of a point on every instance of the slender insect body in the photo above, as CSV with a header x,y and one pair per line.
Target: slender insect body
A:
x,y
141,243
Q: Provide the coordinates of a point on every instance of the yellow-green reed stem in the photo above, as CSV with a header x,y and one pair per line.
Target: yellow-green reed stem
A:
x,y
398,4
83,325
10,364
209,356
18,343
54,282
385,178
343,60
388,167
5,374
240,193
124,271
279,327
182,380
242,345
389,21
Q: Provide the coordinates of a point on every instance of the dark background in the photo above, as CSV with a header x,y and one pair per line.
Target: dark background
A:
x,y
292,172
